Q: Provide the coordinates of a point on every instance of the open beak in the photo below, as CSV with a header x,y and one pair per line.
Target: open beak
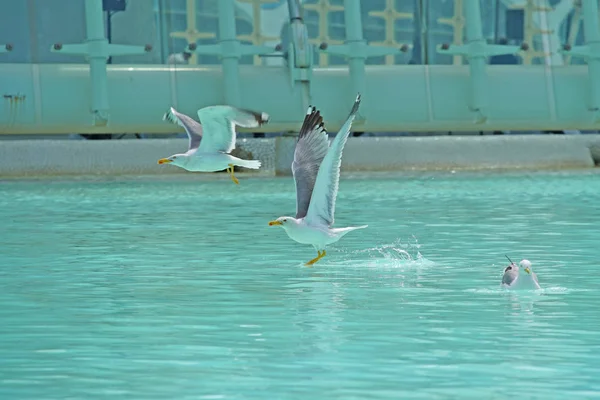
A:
x,y
164,161
528,270
271,223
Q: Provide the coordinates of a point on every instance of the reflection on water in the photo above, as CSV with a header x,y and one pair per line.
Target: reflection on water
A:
x,y
179,289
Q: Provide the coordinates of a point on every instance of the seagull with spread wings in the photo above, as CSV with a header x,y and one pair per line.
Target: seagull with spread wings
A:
x,y
211,140
316,170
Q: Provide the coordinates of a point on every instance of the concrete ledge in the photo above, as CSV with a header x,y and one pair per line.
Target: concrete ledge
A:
x,y
105,157
472,152
138,157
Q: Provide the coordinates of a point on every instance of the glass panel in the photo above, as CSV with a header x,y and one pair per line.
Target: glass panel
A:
x,y
15,31
55,21
186,21
325,23
136,26
391,23
572,33
385,23
444,22
544,29
258,22
33,26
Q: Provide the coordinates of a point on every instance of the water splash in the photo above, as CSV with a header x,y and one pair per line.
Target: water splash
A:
x,y
395,254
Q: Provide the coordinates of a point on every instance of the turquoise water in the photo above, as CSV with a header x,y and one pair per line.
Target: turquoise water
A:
x,y
177,289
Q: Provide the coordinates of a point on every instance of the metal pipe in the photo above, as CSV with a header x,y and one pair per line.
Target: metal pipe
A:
x,y
592,40
109,32
476,56
354,36
294,9
300,52
97,58
231,53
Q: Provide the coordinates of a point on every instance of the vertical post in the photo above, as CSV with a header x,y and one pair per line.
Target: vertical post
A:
x,y
97,58
190,17
231,54
477,55
97,49
300,62
300,58
354,38
592,40
294,9
301,49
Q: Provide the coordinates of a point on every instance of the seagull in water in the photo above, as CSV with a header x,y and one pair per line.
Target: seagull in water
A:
x,y
512,279
316,169
211,140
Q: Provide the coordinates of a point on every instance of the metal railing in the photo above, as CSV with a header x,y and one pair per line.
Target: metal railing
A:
x,y
468,44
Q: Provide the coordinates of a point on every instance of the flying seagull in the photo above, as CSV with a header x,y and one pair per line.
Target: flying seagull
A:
x,y
514,280
316,169
211,140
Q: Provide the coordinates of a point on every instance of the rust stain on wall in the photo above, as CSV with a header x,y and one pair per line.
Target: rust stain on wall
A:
x,y
13,103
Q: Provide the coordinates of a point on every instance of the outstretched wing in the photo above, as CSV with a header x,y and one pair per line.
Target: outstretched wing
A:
x,y
219,126
191,126
322,203
310,151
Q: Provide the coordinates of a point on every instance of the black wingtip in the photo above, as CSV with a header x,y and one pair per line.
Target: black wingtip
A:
x,y
312,119
168,116
356,105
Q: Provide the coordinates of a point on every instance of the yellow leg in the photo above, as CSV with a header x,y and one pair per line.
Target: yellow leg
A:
x,y
233,178
314,260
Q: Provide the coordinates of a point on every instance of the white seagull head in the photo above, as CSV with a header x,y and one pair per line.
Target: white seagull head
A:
x,y
285,222
526,265
176,159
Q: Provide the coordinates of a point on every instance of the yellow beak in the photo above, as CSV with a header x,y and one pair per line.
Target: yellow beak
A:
x,y
527,270
271,223
164,161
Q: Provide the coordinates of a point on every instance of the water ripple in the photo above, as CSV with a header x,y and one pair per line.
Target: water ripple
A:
x,y
177,288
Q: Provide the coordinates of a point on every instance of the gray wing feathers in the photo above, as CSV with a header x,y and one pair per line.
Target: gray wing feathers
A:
x,y
509,277
248,118
322,205
191,126
219,125
310,151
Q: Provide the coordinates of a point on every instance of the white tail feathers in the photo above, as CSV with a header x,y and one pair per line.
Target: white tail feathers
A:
x,y
251,164
353,228
343,231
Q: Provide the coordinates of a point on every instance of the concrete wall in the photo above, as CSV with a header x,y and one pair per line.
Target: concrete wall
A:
x,y
139,157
